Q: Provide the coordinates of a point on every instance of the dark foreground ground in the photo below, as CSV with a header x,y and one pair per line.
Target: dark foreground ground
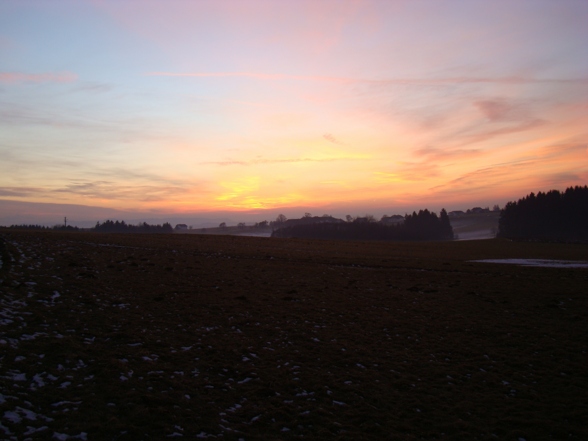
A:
x,y
130,337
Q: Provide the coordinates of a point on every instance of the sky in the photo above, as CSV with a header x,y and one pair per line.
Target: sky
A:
x,y
244,109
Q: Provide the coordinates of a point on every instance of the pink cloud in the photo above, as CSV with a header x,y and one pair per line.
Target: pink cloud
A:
x,y
383,82
494,110
20,77
255,75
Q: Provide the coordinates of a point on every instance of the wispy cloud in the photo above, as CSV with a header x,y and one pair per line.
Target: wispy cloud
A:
x,y
563,149
21,77
563,179
21,191
329,137
495,110
497,179
501,116
410,171
278,161
254,75
110,190
135,175
488,134
438,154
488,175
45,114
94,87
539,165
102,184
383,81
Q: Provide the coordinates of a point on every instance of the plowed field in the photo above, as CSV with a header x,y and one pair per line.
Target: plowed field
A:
x,y
131,337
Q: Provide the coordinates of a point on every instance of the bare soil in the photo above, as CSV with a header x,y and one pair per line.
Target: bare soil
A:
x,y
131,337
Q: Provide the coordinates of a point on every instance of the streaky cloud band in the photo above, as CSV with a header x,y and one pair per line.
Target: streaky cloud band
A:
x,y
391,81
21,77
278,161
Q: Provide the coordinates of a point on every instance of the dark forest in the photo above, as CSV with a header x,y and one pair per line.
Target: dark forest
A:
x,y
551,216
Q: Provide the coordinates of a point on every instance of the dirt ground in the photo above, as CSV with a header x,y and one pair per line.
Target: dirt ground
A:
x,y
131,337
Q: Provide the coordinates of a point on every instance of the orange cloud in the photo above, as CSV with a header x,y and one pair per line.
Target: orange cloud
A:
x,y
542,168
417,171
564,149
437,154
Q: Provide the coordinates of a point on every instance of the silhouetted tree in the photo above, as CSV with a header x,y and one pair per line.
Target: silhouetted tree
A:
x,y
446,228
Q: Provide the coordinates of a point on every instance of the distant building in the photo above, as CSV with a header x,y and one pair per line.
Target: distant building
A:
x,y
181,227
364,220
479,210
455,213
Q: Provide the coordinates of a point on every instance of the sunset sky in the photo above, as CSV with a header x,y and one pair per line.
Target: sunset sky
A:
x,y
247,109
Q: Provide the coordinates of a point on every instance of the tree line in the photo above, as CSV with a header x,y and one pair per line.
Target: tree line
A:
x,y
122,227
424,225
41,227
551,216
108,226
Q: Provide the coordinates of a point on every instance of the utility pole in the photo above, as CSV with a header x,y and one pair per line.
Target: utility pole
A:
x,y
65,221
